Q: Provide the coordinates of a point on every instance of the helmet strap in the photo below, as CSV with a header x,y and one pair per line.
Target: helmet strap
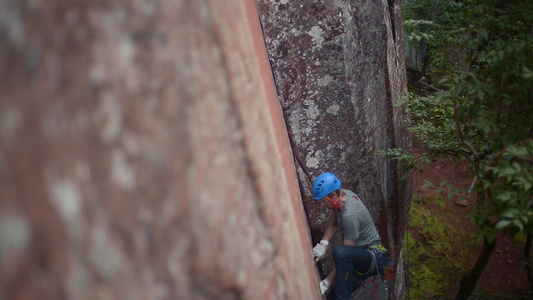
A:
x,y
336,203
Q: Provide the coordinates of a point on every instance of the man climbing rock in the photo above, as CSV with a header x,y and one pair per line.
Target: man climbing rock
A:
x,y
360,255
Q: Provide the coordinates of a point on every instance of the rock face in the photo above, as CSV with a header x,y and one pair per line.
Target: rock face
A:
x,y
339,71
143,155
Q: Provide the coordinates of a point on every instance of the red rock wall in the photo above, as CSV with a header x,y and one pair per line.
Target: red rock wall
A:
x,y
340,73
143,155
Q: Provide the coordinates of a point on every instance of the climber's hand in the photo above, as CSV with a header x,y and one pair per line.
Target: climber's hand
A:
x,y
324,286
320,250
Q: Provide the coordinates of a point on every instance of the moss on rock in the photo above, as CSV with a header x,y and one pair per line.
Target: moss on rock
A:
x,y
437,250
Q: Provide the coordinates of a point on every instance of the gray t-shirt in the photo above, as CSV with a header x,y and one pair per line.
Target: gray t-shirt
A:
x,y
356,222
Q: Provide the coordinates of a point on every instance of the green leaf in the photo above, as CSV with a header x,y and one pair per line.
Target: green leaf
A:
x,y
503,223
518,224
508,215
428,184
484,34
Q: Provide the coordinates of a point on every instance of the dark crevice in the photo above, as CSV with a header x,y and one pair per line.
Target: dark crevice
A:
x,y
391,4
307,175
391,174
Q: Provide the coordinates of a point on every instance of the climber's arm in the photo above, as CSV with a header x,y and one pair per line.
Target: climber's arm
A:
x,y
332,227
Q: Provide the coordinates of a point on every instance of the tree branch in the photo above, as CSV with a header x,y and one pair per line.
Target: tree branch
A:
x,y
501,152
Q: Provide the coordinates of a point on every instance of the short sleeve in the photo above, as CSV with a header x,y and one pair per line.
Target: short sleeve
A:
x,y
350,226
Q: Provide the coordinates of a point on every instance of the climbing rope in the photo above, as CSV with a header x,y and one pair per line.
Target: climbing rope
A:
x,y
373,280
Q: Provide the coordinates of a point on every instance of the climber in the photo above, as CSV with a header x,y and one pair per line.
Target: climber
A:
x,y
359,257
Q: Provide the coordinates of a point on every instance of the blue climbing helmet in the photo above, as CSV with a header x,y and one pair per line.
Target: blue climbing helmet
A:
x,y
324,184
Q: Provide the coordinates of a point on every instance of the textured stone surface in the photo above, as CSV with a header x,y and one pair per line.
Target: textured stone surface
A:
x,y
339,71
143,155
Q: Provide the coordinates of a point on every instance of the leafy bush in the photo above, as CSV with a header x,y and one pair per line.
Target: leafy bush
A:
x,y
481,110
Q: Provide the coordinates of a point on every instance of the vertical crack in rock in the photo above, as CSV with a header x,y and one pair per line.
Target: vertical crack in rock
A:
x,y
390,175
300,165
392,8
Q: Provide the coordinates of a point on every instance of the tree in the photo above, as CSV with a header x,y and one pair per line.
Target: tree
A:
x,y
482,111
434,26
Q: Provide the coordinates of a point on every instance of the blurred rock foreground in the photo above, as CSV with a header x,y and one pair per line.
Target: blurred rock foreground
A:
x,y
144,152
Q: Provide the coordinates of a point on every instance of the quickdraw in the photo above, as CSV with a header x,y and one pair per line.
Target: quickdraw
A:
x,y
380,248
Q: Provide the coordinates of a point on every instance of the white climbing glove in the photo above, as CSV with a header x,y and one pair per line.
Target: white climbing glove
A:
x,y
324,286
320,250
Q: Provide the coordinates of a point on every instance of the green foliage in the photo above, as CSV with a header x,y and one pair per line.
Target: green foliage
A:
x,y
450,190
432,122
410,161
481,110
512,188
482,113
437,25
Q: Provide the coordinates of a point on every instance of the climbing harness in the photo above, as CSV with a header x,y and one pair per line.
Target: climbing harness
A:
x,y
378,260
378,251
383,266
